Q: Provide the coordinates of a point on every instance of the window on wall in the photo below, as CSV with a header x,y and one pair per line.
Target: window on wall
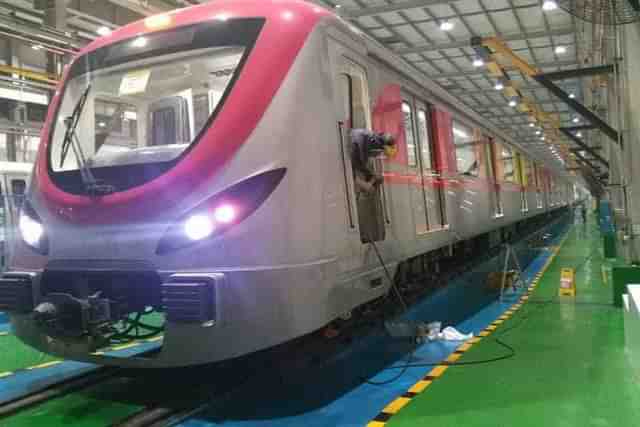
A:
x,y
466,157
508,164
410,138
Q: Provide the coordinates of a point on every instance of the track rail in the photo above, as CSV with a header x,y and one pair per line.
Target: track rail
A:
x,y
54,391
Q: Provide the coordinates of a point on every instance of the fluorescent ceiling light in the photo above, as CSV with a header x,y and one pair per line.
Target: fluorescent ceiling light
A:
x,y
446,25
561,49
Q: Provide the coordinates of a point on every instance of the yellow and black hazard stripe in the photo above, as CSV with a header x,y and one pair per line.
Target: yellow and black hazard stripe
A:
x,y
400,402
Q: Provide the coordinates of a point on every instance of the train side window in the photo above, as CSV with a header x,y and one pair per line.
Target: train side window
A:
x,y
466,157
490,148
538,182
523,164
508,164
410,138
425,152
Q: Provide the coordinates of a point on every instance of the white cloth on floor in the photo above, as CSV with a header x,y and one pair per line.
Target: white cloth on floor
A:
x,y
452,334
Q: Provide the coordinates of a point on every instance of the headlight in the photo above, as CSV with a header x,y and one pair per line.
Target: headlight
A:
x,y
198,227
221,212
31,229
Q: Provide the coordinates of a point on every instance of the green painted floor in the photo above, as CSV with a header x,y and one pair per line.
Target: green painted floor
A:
x,y
569,369
14,355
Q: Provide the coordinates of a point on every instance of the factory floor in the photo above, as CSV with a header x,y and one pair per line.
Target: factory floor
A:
x,y
569,367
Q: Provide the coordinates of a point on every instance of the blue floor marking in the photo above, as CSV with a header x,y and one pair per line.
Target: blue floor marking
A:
x,y
28,381
334,395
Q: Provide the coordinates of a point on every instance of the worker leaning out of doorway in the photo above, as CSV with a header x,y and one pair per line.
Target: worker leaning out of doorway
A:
x,y
365,147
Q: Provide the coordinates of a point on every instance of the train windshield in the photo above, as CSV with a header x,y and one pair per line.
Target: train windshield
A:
x,y
146,100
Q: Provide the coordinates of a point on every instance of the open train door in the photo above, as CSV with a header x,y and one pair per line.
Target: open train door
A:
x,y
366,220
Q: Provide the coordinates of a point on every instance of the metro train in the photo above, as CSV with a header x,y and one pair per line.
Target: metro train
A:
x,y
196,164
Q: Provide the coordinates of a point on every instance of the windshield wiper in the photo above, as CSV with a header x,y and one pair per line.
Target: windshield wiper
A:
x,y
91,185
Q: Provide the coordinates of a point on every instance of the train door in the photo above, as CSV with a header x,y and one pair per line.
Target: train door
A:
x,y
494,187
366,215
414,169
355,114
430,170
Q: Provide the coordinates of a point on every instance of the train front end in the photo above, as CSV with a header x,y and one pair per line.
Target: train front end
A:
x,y
148,183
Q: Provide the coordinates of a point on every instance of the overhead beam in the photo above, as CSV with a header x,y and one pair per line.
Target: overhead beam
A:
x,y
478,71
595,169
523,88
457,44
584,147
590,116
579,72
577,128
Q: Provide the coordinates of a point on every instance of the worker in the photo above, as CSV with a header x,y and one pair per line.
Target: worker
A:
x,y
584,213
364,145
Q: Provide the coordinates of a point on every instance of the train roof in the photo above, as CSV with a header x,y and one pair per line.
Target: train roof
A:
x,y
296,13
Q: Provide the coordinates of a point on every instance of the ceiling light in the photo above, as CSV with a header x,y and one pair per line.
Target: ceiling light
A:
x,y
37,47
512,103
538,132
103,31
338,6
542,138
531,125
549,5
572,95
576,120
561,49
446,25
478,62
579,134
499,86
